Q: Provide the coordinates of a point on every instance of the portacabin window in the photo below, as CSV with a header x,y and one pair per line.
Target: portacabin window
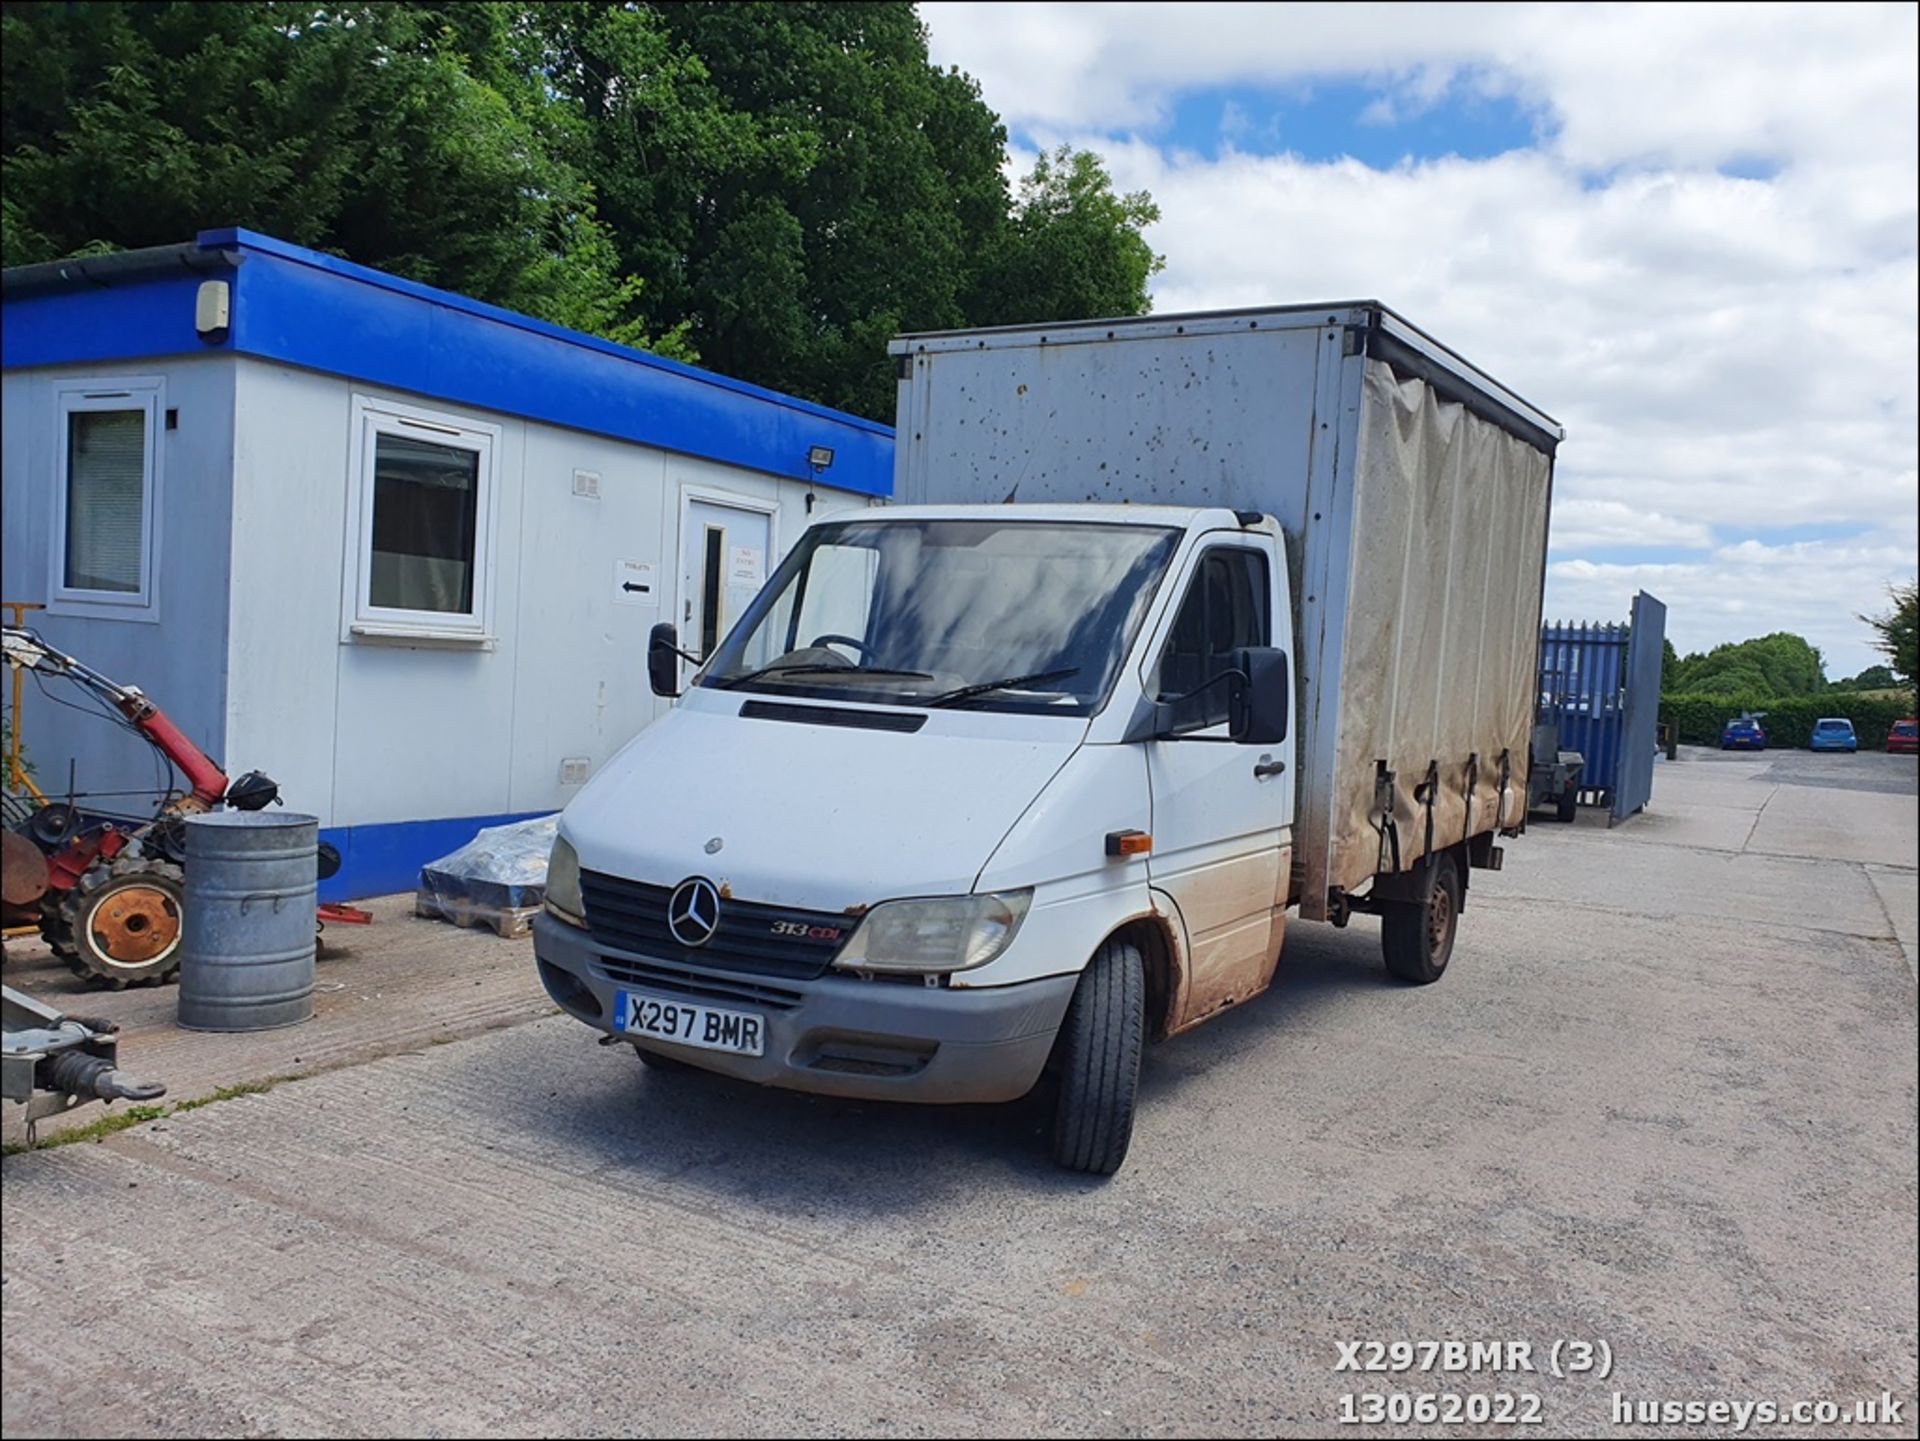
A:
x,y
106,496
425,496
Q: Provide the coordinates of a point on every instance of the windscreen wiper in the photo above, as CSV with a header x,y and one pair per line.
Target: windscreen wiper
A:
x,y
815,668
967,692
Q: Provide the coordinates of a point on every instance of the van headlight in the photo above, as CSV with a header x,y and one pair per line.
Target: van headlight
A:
x,y
563,883
946,933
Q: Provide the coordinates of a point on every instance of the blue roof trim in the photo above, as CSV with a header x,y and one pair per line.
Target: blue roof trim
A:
x,y
300,307
240,239
134,321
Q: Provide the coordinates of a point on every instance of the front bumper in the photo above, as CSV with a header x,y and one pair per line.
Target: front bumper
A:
x,y
838,1035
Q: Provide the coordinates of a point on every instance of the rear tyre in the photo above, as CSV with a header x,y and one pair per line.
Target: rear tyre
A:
x,y
1100,1043
1568,806
1416,935
120,926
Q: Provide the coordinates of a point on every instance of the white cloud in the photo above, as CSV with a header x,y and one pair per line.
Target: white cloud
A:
x,y
1745,590
1586,524
1687,84
1730,356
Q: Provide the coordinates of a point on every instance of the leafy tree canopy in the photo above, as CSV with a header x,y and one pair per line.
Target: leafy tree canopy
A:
x,y
1780,664
775,188
1874,677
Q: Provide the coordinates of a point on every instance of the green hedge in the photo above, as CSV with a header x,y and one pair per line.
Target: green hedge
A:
x,y
1788,721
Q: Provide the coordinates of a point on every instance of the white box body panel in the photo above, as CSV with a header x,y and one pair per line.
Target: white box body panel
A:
x,y
1414,495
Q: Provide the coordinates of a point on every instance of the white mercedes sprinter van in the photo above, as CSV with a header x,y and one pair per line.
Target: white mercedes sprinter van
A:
x,y
974,792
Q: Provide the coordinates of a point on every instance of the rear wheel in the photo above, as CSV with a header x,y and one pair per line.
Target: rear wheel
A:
x,y
1568,806
1100,1043
1417,935
120,926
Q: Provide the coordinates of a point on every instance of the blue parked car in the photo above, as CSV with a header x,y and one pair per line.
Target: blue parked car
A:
x,y
1743,734
1834,734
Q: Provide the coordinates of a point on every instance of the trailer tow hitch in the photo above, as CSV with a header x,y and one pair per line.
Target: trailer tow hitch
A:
x,y
54,1062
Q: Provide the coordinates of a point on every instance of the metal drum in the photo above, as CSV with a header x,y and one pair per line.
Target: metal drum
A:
x,y
246,961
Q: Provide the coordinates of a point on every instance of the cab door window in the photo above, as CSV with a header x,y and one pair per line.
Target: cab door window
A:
x,y
1228,605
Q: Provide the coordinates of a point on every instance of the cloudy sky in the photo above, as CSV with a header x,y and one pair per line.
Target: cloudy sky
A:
x,y
1686,232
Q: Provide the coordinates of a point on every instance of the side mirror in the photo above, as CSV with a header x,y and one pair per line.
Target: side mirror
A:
x,y
1262,707
663,660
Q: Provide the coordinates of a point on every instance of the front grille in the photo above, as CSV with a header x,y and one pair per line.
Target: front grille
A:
x,y
632,916
697,985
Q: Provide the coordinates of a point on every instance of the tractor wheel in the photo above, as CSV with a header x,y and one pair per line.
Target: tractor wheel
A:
x,y
120,926
54,929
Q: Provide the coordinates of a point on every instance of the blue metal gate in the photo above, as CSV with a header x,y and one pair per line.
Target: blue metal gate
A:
x,y
1600,683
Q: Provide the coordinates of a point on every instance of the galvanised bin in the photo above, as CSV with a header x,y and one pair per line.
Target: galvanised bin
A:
x,y
247,941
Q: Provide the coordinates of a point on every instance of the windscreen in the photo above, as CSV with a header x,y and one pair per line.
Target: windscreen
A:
x,y
1005,614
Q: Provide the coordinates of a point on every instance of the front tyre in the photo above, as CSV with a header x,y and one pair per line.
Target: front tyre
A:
x,y
1100,1044
1417,935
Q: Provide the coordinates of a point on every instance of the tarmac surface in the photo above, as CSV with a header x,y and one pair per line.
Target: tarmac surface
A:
x,y
1663,1105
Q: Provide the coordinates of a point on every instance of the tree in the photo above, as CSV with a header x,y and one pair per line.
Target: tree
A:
x,y
1898,631
840,192
779,188
798,184
409,137
1074,248
1780,664
1874,677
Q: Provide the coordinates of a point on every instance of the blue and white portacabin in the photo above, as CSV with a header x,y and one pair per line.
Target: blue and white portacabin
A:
x,y
399,548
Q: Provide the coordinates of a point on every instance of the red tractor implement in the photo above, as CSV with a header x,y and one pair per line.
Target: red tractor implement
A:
x,y
115,886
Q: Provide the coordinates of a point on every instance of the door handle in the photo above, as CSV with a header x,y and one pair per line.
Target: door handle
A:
x,y
1267,768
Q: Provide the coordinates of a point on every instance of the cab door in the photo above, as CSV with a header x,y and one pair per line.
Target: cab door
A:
x,y
1222,810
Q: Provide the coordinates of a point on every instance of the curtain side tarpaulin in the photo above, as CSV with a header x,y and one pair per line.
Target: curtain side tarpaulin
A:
x,y
1443,613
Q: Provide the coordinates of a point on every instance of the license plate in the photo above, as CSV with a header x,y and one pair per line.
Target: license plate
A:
x,y
708,1027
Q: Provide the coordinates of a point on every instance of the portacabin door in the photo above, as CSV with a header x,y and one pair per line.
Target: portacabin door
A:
x,y
726,551
1221,809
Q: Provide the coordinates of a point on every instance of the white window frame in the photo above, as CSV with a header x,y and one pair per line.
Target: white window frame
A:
x,y
361,619
147,393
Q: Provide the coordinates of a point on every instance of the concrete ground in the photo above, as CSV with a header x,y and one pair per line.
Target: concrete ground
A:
x,y
395,985
1664,1100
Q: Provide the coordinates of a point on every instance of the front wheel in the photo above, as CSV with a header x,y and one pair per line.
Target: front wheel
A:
x,y
1417,935
1100,1043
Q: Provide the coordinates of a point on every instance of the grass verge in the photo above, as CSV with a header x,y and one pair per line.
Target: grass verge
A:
x,y
139,1115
